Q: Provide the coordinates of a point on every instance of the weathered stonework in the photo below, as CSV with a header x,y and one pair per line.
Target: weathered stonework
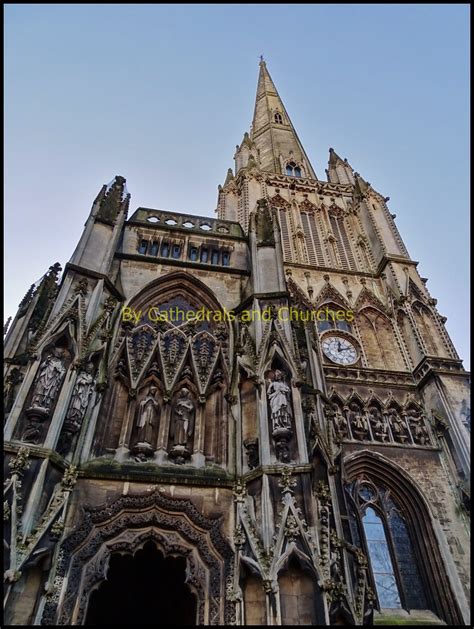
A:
x,y
266,453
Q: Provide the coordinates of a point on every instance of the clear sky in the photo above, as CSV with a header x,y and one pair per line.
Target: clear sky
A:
x,y
161,94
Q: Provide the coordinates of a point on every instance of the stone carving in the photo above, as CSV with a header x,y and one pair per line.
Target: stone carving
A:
x,y
377,423
11,382
48,380
182,426
46,388
340,422
282,449
358,422
77,408
147,420
278,394
419,431
399,429
466,415
251,445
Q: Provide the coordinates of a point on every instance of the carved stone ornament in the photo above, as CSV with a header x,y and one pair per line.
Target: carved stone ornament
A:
x,y
182,426
125,524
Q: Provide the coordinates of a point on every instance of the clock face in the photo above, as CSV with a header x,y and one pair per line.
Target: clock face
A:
x,y
339,350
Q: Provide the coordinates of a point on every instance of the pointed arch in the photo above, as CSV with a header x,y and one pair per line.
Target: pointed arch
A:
x,y
329,293
379,341
383,472
428,329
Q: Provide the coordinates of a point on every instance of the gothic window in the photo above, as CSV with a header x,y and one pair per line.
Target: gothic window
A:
x,y
385,536
313,240
215,256
204,254
176,251
428,330
278,118
381,563
154,248
378,339
329,319
143,247
343,245
285,235
293,170
165,249
193,254
225,258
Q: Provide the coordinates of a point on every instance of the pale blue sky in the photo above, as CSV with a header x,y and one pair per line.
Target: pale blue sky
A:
x,y
161,94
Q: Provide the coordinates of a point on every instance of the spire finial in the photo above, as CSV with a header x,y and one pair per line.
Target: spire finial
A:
x,y
262,60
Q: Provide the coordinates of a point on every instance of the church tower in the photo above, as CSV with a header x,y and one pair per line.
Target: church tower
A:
x,y
252,419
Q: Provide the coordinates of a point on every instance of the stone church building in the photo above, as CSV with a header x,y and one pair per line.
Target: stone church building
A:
x,y
257,418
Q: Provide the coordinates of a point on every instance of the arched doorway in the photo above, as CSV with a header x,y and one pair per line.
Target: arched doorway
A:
x,y
144,589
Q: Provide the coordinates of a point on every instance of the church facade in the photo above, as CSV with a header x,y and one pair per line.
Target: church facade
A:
x,y
257,418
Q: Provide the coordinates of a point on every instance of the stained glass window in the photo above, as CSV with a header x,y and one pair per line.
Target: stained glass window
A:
x,y
381,562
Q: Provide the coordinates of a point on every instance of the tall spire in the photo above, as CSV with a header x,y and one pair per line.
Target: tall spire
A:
x,y
273,133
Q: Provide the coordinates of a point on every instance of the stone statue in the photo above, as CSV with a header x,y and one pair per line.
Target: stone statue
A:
x,y
379,427
399,429
340,422
81,394
48,380
279,396
147,413
183,414
358,422
77,408
251,445
418,429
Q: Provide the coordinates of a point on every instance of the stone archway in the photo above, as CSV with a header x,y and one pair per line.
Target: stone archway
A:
x,y
125,524
144,588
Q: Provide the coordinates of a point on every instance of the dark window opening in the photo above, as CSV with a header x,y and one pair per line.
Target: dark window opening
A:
x,y
165,249
225,258
154,248
193,254
144,589
293,170
215,257
143,246
278,118
204,255
176,251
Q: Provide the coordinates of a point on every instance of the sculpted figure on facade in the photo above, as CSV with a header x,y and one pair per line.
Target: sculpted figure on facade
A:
x,y
377,423
419,431
278,394
147,417
340,423
398,426
77,408
48,381
182,426
358,422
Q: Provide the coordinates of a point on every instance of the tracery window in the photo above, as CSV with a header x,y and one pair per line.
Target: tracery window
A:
x,y
143,247
380,526
293,170
154,248
278,118
329,319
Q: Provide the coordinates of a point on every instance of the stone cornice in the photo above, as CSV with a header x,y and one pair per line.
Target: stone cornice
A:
x,y
187,264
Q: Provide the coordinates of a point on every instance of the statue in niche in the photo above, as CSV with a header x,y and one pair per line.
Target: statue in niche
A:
x,y
251,445
418,429
46,388
466,415
399,429
358,422
49,379
77,408
278,394
147,420
282,450
340,422
182,426
147,416
379,427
